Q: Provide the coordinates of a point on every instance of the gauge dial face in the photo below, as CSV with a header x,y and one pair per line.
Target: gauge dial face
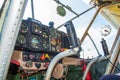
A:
x,y
36,28
45,44
24,28
35,42
44,35
58,48
53,41
45,41
21,39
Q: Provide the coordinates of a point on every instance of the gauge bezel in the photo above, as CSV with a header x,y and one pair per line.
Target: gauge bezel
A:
x,y
25,25
24,39
45,38
39,45
32,28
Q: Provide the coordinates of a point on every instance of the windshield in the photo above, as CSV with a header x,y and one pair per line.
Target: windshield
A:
x,y
46,11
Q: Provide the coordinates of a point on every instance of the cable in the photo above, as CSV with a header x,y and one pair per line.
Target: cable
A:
x,y
105,49
114,65
94,45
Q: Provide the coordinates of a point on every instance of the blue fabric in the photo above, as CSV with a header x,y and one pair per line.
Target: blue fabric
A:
x,y
111,77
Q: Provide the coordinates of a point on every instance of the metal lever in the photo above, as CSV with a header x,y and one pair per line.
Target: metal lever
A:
x,y
105,48
71,34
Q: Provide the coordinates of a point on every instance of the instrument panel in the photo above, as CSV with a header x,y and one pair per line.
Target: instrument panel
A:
x,y
36,37
37,44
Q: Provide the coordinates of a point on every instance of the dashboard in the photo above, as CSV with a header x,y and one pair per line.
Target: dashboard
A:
x,y
36,37
37,44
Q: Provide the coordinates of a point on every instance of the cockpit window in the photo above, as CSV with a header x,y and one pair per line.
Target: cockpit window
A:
x,y
101,28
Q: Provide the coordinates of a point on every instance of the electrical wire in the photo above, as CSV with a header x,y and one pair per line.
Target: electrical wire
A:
x,y
114,64
94,45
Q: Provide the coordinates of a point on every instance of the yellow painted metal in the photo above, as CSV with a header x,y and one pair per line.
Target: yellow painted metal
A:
x,y
111,12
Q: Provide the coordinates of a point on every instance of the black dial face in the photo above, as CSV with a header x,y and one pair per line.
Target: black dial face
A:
x,y
44,35
35,42
45,41
36,28
45,44
24,28
21,39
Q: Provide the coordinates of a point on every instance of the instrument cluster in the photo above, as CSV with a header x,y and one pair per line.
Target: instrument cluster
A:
x,y
36,37
37,44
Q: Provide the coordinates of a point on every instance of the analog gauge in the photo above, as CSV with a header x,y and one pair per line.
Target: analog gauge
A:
x,y
59,42
45,44
53,48
53,41
36,28
21,39
24,28
44,34
58,48
35,42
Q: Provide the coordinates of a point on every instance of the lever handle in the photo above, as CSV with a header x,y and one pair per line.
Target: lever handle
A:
x,y
71,34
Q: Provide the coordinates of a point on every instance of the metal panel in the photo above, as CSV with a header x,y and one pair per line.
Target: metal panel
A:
x,y
9,34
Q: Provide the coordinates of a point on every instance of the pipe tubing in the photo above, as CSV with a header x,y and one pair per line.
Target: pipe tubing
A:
x,y
57,58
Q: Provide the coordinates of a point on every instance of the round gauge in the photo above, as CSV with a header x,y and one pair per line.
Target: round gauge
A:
x,y
53,48
58,48
24,28
45,44
44,34
35,42
36,28
59,42
21,39
53,41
